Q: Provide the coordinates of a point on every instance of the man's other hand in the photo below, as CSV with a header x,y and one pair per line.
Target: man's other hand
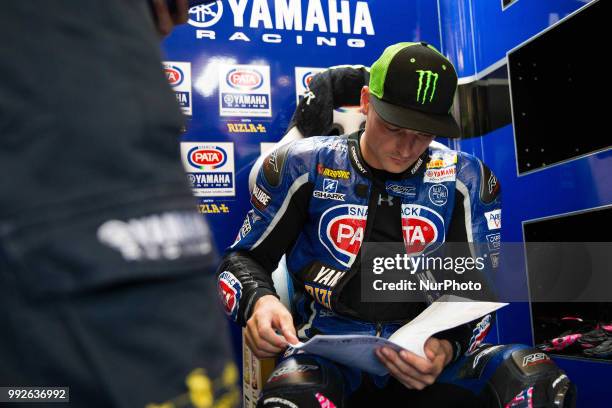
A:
x,y
269,316
165,19
413,371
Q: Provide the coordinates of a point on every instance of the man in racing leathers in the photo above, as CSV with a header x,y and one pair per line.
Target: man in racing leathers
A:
x,y
319,199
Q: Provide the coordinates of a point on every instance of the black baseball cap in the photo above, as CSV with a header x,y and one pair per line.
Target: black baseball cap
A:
x,y
413,86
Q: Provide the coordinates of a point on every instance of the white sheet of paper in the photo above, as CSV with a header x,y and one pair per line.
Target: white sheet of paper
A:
x,y
358,350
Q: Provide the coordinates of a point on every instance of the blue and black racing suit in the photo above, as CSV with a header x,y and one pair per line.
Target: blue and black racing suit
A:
x,y
317,201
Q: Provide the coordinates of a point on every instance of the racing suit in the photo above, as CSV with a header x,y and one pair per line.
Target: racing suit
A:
x,y
314,200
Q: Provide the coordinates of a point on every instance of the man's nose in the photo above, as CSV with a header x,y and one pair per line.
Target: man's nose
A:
x,y
406,144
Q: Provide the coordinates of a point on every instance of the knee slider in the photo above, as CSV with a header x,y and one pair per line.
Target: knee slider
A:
x,y
524,376
303,381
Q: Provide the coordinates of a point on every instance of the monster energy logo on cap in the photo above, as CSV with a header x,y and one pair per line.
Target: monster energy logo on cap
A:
x,y
429,75
413,86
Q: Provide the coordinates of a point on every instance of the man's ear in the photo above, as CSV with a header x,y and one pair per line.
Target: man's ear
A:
x,y
364,101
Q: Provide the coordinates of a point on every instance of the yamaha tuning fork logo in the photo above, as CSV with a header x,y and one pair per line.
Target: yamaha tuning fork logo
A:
x,y
206,15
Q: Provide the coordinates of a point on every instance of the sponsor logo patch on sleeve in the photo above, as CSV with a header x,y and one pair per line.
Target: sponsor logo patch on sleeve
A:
x,y
260,198
230,292
493,219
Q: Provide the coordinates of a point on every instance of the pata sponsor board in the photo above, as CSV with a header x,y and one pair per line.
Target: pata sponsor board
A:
x,y
178,75
244,90
210,168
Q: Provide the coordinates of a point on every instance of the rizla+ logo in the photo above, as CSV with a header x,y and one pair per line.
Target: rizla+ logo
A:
x,y
430,89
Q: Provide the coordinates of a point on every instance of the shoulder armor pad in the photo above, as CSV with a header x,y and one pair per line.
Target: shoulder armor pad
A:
x,y
273,165
489,185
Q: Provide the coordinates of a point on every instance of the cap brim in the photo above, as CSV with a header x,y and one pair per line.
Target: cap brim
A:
x,y
438,125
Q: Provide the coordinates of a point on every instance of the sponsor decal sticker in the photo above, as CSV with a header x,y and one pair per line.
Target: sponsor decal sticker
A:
x,y
341,231
535,359
321,295
494,241
330,186
492,184
244,90
179,78
494,259
493,219
320,281
478,334
327,276
423,229
210,168
416,166
245,127
332,173
260,198
440,162
356,160
250,219
329,191
440,175
400,190
438,194
212,208
230,292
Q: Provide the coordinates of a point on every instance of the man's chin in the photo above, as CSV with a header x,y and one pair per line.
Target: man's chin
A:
x,y
397,167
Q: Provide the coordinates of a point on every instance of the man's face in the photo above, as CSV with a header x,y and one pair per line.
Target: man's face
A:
x,y
386,146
